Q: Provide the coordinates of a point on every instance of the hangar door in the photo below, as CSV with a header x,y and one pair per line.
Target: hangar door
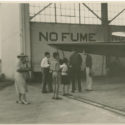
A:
x,y
41,33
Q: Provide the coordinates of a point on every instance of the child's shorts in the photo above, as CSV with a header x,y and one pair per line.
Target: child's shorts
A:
x,y
65,80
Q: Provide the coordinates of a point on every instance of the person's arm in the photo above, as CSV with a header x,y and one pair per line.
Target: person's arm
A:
x,y
20,67
70,61
80,59
61,66
41,65
90,62
57,68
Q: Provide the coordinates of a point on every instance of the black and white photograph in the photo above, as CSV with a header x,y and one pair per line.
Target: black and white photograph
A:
x,y
62,62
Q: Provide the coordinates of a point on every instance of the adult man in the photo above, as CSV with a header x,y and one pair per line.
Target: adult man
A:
x,y
88,72
45,67
75,64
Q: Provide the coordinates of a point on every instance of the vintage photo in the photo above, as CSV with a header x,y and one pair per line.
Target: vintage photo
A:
x,y
62,62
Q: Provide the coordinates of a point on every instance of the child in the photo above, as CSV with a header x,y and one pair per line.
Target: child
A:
x,y
64,75
56,75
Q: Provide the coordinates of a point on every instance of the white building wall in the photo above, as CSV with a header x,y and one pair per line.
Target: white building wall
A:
x,y
10,37
12,32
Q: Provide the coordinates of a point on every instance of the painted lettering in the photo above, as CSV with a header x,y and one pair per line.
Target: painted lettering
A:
x,y
91,35
83,37
44,36
64,36
74,37
53,36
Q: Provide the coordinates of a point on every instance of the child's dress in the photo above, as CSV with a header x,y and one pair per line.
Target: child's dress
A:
x,y
64,74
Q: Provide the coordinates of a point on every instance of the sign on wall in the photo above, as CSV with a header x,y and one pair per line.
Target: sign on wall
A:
x,y
64,36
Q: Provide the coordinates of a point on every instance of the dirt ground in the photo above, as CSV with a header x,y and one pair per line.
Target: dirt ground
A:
x,y
43,109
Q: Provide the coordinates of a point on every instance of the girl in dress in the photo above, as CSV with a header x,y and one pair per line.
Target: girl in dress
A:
x,y
65,78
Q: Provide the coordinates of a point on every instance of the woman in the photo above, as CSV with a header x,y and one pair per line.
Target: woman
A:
x,y
20,79
88,72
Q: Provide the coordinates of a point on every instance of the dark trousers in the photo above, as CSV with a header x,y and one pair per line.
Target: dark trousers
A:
x,y
47,80
76,79
50,86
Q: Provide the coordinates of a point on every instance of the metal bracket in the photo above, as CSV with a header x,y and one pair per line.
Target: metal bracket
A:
x,y
116,15
40,11
92,11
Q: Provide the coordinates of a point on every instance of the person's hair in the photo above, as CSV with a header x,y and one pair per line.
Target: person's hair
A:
x,y
61,61
47,53
65,60
55,54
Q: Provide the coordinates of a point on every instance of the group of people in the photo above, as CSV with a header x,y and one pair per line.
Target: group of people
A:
x,y
56,71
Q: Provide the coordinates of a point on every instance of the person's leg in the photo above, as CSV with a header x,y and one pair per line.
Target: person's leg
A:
x,y
73,81
50,87
44,81
87,77
63,82
24,99
63,89
68,85
54,91
19,99
79,80
19,96
57,88
90,83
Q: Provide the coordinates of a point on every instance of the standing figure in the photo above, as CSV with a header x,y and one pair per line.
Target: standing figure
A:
x,y
56,76
20,79
88,72
45,67
65,77
75,65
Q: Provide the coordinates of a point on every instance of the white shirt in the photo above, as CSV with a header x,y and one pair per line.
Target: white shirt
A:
x,y
45,62
64,68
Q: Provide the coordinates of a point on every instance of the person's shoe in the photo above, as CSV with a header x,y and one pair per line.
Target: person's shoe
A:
x,y
25,102
19,102
44,91
51,91
69,94
53,97
89,90
64,94
80,90
58,98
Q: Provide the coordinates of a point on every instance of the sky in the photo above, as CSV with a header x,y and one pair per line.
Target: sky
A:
x,y
69,12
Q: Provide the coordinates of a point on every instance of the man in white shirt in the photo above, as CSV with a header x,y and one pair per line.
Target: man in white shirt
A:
x,y
45,67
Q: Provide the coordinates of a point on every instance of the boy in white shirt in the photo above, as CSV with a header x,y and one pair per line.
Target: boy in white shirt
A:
x,y
45,71
65,78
